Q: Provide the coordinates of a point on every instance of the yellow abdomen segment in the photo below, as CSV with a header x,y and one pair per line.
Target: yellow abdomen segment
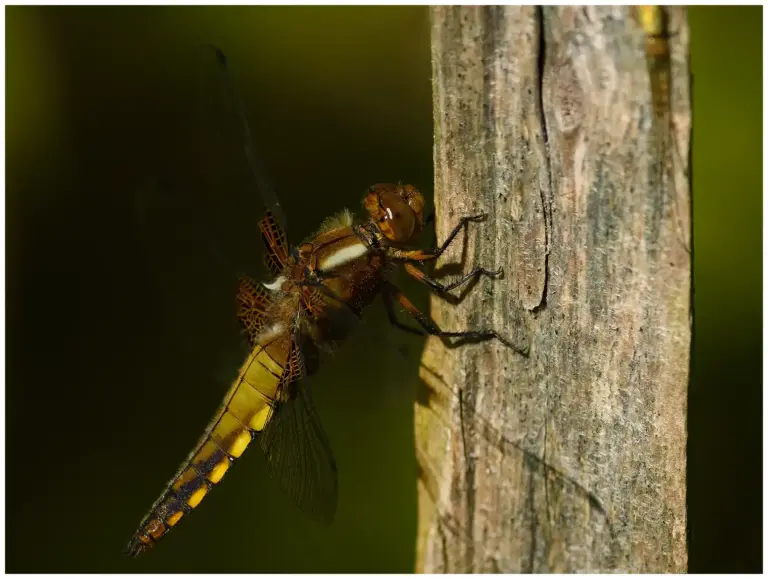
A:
x,y
244,412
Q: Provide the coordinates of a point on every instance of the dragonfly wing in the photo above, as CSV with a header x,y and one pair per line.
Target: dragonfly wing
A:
x,y
233,124
221,215
298,452
275,242
252,302
226,129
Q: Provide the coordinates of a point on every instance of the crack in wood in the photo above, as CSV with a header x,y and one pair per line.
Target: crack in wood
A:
x,y
579,408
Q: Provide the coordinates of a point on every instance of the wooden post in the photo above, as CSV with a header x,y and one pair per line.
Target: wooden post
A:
x,y
565,125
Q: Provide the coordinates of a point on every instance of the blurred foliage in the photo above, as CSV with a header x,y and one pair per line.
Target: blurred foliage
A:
x,y
113,344
725,403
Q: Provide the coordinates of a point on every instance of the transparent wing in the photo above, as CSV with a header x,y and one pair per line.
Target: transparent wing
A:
x,y
215,219
298,452
230,164
217,208
233,124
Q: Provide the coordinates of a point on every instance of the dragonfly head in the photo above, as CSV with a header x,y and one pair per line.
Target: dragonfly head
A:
x,y
397,211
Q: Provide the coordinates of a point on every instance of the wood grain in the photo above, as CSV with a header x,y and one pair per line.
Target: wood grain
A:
x,y
572,459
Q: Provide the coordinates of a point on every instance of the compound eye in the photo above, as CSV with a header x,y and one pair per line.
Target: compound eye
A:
x,y
397,221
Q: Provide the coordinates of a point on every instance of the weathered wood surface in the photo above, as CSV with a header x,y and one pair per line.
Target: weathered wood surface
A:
x,y
572,459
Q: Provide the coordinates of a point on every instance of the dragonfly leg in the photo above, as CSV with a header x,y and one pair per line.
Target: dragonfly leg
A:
x,y
429,254
389,305
430,327
441,289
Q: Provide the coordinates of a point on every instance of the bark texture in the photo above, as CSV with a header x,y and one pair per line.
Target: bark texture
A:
x,y
560,124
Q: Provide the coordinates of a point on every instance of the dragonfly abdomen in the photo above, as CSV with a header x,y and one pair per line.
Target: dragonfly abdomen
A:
x,y
244,413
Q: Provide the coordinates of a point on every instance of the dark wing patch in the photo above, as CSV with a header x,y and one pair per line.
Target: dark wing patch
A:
x,y
275,242
252,302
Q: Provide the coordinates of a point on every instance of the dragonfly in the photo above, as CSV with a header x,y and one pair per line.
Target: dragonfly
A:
x,y
317,291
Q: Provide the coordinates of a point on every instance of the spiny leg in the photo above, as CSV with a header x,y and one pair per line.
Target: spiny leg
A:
x,y
430,327
442,290
429,254
389,305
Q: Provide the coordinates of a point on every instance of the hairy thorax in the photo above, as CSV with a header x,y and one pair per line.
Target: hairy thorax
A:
x,y
334,276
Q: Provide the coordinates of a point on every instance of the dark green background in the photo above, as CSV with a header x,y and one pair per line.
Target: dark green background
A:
x,y
117,347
